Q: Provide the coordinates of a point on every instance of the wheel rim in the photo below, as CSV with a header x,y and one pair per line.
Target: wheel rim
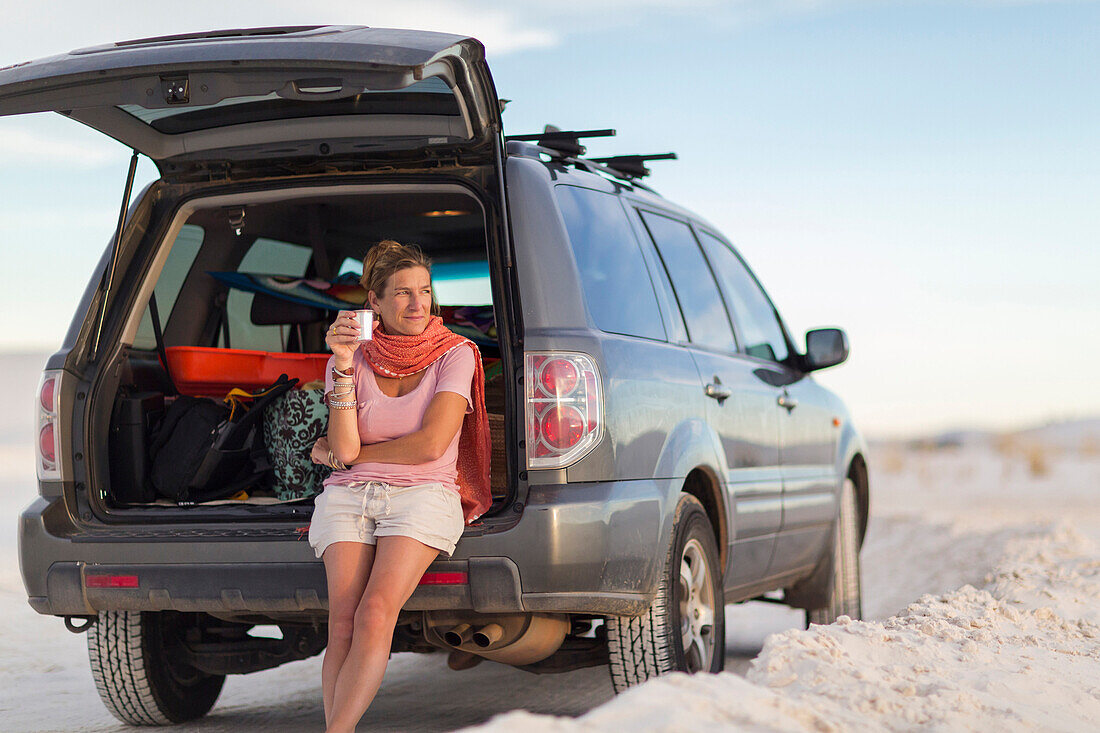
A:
x,y
696,596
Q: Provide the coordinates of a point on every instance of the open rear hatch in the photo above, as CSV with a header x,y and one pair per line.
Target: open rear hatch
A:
x,y
248,95
260,102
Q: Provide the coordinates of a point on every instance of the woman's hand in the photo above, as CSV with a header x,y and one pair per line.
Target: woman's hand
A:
x,y
343,338
319,454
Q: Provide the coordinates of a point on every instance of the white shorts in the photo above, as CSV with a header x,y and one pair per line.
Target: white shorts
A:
x,y
360,511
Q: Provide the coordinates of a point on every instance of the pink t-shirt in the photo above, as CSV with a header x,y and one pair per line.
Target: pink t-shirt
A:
x,y
385,418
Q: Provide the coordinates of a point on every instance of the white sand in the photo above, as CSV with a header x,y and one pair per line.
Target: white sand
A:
x,y
1016,647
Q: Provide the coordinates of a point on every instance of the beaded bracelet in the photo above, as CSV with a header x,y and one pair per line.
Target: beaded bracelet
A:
x,y
340,404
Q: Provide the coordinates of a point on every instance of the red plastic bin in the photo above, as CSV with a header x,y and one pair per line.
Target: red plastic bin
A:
x,y
201,370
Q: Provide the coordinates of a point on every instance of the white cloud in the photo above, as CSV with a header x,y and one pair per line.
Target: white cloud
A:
x,y
20,145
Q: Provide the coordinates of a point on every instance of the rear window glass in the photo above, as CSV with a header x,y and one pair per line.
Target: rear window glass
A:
x,y
616,283
180,259
271,257
428,97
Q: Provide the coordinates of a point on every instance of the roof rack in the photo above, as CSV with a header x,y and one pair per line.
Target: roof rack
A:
x,y
565,145
561,141
633,166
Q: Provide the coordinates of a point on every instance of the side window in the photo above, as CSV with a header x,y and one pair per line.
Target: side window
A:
x,y
616,282
176,266
751,309
707,322
267,257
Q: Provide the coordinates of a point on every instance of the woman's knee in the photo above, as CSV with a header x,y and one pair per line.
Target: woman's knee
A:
x,y
375,614
341,622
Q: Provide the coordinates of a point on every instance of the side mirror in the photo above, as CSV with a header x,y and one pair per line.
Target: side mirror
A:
x,y
825,347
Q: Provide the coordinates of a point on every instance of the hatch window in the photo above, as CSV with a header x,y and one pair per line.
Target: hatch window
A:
x,y
431,96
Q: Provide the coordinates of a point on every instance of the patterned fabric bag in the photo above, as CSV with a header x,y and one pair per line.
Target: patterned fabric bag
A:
x,y
292,424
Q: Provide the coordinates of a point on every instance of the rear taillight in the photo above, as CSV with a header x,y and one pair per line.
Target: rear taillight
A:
x,y
564,408
48,463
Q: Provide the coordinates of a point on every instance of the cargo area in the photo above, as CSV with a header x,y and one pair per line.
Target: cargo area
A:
x,y
243,288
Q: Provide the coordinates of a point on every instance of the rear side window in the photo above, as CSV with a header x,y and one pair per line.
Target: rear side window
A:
x,y
267,257
752,311
707,322
613,273
176,266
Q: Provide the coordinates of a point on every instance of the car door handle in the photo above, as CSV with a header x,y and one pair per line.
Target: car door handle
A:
x,y
785,400
717,391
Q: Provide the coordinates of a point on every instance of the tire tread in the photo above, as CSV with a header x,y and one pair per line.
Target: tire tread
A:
x,y
640,647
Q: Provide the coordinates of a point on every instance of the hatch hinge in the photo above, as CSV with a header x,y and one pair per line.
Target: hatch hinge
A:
x,y
218,172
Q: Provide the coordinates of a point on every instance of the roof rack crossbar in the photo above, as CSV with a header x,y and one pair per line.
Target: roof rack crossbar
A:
x,y
560,135
633,166
561,141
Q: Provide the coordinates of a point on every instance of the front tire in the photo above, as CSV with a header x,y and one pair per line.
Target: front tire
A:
x,y
846,593
684,629
138,679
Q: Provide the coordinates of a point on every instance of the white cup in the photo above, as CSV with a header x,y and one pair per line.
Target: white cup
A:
x,y
365,319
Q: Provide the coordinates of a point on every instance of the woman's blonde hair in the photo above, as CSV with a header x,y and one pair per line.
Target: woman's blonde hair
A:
x,y
388,257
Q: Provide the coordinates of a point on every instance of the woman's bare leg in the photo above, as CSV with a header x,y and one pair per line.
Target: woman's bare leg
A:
x,y
347,567
399,563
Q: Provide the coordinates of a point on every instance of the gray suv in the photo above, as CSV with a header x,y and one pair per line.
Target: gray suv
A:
x,y
660,446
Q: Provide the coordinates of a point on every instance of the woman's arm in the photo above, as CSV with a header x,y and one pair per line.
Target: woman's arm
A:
x,y
442,421
343,424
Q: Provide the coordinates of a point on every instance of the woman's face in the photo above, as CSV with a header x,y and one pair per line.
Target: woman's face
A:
x,y
407,302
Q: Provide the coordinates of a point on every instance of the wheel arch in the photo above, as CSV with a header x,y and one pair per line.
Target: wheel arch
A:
x,y
857,471
702,483
813,590
693,450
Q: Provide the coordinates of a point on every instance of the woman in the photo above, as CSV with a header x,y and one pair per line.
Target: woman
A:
x,y
403,407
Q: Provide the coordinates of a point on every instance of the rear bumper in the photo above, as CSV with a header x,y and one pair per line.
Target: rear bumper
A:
x,y
582,548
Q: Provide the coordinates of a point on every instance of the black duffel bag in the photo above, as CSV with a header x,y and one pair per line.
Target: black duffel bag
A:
x,y
204,450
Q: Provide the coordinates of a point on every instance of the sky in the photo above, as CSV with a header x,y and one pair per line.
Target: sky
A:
x,y
923,175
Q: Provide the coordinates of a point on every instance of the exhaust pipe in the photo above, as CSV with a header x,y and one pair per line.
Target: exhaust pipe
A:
x,y
459,635
488,635
508,638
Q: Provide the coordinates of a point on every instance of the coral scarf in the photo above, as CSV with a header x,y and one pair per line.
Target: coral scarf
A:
x,y
397,355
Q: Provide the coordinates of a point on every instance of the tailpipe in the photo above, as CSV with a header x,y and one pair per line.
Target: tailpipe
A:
x,y
459,635
487,635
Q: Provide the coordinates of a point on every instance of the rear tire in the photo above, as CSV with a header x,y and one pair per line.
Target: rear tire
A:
x,y
846,594
138,679
684,630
